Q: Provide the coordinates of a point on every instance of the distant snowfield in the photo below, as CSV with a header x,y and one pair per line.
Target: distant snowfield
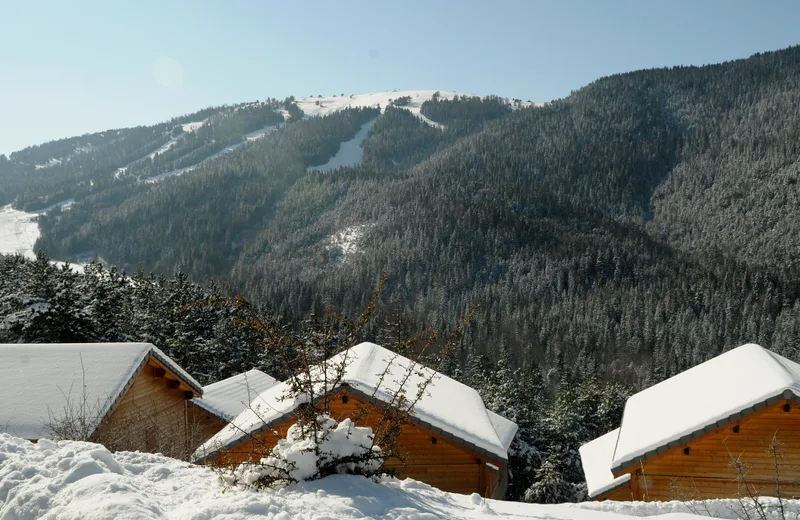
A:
x,y
19,231
350,152
80,480
313,106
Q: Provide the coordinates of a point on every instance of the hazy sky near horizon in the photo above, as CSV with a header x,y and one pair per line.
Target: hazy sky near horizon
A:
x,y
70,68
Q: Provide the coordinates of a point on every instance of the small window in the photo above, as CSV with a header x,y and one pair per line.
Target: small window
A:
x,y
433,440
345,399
686,450
736,429
787,407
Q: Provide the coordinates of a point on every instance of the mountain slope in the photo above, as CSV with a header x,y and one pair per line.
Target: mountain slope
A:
x,y
648,217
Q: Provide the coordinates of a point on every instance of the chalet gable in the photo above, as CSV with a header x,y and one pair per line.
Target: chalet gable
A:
x,y
449,407
41,382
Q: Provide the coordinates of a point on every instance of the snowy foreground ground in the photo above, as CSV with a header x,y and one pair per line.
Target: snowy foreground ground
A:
x,y
77,480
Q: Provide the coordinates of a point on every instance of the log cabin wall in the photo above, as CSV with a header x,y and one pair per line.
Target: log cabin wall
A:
x,y
703,469
201,426
151,415
427,456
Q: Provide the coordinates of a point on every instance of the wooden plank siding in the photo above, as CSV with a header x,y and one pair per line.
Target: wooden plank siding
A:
x,y
702,468
151,415
427,456
202,425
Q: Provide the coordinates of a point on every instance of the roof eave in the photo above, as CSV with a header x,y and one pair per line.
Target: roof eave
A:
x,y
626,465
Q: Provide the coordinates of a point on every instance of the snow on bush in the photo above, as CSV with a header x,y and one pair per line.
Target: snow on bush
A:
x,y
72,480
313,453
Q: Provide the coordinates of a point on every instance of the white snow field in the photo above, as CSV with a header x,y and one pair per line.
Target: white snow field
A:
x,y
70,480
350,152
321,106
19,230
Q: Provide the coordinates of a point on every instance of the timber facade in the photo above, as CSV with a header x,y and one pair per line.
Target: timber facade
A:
x,y
152,414
726,428
427,454
736,459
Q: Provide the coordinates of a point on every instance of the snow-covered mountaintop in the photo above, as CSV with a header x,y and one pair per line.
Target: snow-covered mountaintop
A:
x,y
321,106
71,480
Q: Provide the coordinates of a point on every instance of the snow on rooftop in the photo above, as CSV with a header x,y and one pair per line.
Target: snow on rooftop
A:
x,y
228,398
506,430
700,396
596,460
449,405
39,381
350,152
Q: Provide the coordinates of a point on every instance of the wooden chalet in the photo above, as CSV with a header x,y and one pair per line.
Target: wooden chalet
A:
x,y
127,396
223,401
684,438
451,441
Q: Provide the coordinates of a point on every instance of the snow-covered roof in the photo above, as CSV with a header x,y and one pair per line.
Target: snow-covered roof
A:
x,y
228,398
596,460
506,429
449,406
702,398
40,381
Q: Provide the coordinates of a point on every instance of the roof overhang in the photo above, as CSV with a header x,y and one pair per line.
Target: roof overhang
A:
x,y
372,400
627,465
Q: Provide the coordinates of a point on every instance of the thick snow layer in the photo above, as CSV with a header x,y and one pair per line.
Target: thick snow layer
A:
x,y
80,480
596,460
733,509
350,152
700,396
506,430
449,405
40,382
321,106
228,398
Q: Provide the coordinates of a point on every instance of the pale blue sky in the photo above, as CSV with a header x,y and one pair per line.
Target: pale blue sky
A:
x,y
75,67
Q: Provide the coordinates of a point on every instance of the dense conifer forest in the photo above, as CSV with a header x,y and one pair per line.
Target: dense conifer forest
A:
x,y
612,238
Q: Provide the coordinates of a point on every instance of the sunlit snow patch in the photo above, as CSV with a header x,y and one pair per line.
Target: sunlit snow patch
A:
x,y
346,241
350,152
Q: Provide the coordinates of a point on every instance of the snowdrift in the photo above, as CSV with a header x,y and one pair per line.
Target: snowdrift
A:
x,y
69,480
